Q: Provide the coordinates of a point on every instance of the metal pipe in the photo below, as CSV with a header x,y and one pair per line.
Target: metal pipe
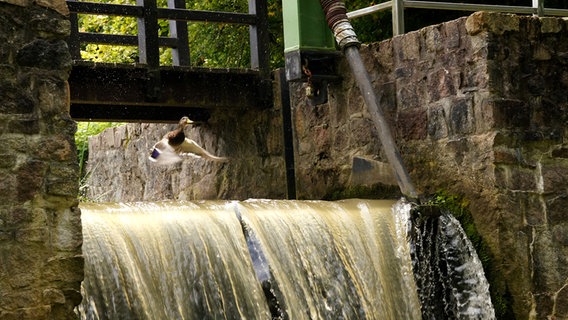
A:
x,y
537,8
336,16
369,10
389,146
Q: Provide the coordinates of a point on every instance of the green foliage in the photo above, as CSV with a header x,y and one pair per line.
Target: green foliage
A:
x,y
373,27
211,44
226,45
84,131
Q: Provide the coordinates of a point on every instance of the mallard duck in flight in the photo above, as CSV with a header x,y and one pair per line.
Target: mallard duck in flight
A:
x,y
174,146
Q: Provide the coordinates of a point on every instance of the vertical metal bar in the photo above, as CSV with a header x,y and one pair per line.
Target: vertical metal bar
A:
x,y
148,34
288,137
259,51
178,30
148,47
397,17
74,43
539,6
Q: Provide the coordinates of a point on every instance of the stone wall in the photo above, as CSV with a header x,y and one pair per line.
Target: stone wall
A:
x,y
41,267
478,107
119,169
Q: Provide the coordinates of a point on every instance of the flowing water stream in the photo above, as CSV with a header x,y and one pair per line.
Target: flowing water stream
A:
x,y
258,259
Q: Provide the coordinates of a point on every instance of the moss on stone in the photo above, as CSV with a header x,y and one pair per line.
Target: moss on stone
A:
x,y
458,207
375,191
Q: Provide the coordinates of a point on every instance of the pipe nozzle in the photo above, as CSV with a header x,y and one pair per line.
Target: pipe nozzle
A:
x,y
336,16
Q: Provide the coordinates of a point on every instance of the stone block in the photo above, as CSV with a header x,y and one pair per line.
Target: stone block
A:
x,y
496,23
107,138
437,123
64,269
366,171
44,54
534,210
408,96
52,96
557,209
17,216
407,47
506,113
561,303
8,188
433,38
403,72
452,36
19,299
21,3
49,27
515,178
32,235
461,118
413,124
555,178
15,100
506,156
58,5
53,296
383,53
68,237
474,78
441,84
550,25
541,53
41,312
7,161
61,179
30,179
56,148
24,126
560,234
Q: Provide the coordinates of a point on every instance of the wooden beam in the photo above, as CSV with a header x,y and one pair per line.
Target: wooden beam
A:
x,y
115,85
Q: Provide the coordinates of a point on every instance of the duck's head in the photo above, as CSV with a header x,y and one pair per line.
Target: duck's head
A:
x,y
184,121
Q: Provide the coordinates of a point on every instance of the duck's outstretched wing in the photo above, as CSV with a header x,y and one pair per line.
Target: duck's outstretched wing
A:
x,y
163,154
189,147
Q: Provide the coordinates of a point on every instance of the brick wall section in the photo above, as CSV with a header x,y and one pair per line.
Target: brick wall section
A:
x,y
41,267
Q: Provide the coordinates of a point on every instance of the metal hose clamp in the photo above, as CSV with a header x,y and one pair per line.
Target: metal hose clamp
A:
x,y
336,16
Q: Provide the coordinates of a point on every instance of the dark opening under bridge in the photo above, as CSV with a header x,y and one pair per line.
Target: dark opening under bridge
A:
x,y
147,91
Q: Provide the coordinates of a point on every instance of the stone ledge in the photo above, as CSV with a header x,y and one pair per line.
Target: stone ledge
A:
x,y
497,23
58,5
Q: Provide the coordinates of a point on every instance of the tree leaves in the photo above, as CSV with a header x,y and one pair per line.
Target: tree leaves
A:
x,y
212,45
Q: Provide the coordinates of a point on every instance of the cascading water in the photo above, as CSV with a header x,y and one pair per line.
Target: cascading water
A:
x,y
257,259
449,275
167,261
334,260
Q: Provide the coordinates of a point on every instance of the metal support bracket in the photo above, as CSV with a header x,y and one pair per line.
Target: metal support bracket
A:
x,y
317,68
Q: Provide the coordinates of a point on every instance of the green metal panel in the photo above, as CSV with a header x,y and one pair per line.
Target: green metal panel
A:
x,y
305,27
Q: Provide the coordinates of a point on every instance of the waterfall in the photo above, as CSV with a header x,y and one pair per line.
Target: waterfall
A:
x,y
449,275
167,261
254,259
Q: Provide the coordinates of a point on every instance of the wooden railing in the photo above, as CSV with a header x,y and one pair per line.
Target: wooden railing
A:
x,y
148,41
398,6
